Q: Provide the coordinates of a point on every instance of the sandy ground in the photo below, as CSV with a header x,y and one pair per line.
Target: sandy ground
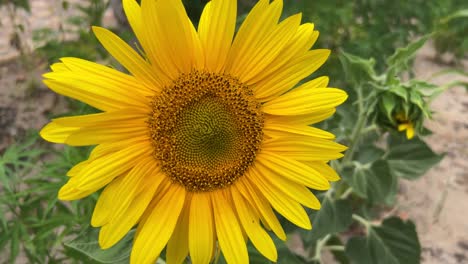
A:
x,y
437,202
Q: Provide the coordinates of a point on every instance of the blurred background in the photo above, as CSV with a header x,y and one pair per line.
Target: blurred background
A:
x,y
34,225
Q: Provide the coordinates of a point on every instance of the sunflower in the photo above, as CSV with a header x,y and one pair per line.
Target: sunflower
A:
x,y
207,137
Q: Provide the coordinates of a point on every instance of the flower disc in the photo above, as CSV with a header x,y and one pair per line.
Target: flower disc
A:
x,y
206,130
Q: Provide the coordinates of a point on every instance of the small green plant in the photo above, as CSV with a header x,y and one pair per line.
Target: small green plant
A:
x,y
33,222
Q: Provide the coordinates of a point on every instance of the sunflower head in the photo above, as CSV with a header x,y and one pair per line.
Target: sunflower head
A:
x,y
207,138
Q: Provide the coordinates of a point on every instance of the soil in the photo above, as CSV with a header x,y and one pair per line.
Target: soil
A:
x,y
436,202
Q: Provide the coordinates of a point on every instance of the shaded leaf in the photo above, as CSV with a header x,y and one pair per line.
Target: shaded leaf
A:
x,y
393,242
399,91
334,216
357,69
410,159
339,255
373,182
87,245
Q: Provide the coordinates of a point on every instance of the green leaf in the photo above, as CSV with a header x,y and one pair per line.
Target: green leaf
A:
x,y
457,14
368,153
285,255
388,104
393,242
357,69
399,60
373,182
334,216
87,245
410,159
416,98
340,256
399,91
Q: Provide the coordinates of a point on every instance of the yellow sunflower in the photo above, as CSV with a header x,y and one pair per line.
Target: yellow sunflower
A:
x,y
207,137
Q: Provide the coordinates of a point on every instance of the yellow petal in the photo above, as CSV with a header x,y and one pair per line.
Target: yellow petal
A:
x,y
70,192
131,205
100,119
105,205
89,94
115,81
117,196
320,82
77,168
305,101
97,135
103,170
158,227
293,170
259,23
201,233
176,53
402,127
111,147
276,183
178,245
216,30
306,119
56,133
278,129
300,43
128,57
300,147
133,13
249,220
290,209
324,170
410,131
230,238
289,75
263,54
59,67
262,206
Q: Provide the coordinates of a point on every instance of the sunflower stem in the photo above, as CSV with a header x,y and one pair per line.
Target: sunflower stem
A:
x,y
348,192
361,220
357,130
335,248
319,246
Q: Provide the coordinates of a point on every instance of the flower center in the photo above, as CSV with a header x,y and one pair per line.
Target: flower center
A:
x,y
206,130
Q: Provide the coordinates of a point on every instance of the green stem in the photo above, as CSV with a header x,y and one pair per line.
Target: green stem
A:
x,y
357,130
348,192
370,128
361,220
335,248
319,246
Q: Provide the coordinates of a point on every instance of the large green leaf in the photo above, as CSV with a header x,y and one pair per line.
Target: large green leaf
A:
x,y
410,159
393,242
373,182
357,69
87,246
334,216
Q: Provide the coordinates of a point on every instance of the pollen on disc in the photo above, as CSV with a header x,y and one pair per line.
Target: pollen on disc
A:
x,y
206,130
